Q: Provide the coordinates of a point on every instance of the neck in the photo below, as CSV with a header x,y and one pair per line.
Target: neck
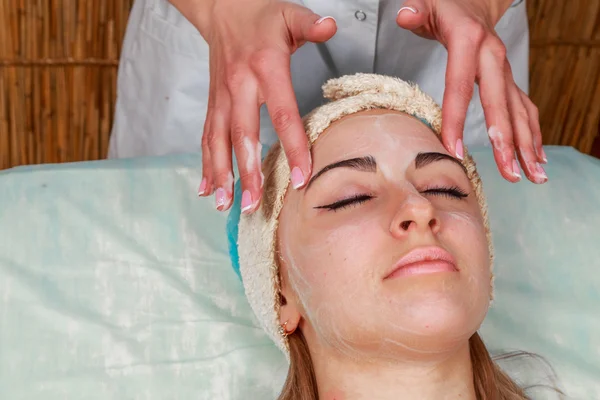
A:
x,y
446,376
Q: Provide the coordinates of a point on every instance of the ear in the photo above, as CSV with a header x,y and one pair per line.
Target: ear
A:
x,y
289,310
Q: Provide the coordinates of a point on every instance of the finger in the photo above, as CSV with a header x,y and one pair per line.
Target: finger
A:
x,y
534,124
523,136
463,48
219,144
276,84
306,26
412,15
493,93
245,121
206,184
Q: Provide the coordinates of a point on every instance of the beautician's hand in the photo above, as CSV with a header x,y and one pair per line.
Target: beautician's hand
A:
x,y
251,43
476,54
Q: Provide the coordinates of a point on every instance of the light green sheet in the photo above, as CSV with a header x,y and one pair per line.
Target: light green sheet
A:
x,y
115,282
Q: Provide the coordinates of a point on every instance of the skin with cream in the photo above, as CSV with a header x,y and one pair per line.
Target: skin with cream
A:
x,y
253,161
384,262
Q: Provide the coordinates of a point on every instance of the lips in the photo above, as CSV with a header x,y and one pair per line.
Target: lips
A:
x,y
423,260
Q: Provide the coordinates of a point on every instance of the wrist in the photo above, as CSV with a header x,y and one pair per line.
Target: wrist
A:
x,y
196,11
498,8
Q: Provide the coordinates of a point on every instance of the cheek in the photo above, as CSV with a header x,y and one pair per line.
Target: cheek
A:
x,y
333,278
326,264
335,258
465,234
463,227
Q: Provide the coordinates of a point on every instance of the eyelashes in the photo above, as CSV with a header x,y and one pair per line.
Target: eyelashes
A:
x,y
453,192
350,201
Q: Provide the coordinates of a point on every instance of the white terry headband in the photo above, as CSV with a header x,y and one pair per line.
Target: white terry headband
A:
x,y
257,247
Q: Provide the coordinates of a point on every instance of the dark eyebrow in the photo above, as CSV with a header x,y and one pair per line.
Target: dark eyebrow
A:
x,y
424,159
364,164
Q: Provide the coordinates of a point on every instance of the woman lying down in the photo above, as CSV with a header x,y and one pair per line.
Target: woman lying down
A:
x,y
375,278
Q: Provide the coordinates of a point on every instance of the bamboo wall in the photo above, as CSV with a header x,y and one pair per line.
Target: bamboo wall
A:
x,y
58,66
565,70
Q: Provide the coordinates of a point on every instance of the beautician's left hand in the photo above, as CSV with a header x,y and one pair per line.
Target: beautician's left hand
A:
x,y
477,54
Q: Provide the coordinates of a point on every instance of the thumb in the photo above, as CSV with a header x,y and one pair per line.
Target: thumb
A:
x,y
413,14
306,26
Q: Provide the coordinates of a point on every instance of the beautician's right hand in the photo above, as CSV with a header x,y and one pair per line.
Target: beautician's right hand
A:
x,y
251,43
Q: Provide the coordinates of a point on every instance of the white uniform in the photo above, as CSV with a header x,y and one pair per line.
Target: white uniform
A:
x,y
163,76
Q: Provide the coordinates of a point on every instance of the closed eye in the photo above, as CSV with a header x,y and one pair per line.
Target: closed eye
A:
x,y
348,202
450,192
453,192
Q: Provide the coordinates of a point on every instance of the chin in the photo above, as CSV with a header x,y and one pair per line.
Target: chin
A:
x,y
436,326
436,338
438,304
447,322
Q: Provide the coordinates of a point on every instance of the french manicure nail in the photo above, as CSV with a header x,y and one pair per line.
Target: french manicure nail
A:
x,y
459,149
411,9
541,173
220,198
541,170
516,172
297,178
317,22
544,156
202,187
246,201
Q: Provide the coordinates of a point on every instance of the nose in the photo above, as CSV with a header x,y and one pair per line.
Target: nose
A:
x,y
415,214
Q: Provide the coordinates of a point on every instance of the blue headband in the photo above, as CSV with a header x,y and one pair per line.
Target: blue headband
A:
x,y
233,219
233,222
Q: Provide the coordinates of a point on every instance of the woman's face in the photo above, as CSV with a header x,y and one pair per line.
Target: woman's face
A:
x,y
385,249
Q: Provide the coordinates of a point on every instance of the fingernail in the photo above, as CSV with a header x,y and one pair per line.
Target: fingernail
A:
x,y
516,171
317,22
246,201
540,173
297,178
202,187
544,158
411,9
459,149
220,198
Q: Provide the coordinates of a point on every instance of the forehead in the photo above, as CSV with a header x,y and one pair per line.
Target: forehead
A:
x,y
376,132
